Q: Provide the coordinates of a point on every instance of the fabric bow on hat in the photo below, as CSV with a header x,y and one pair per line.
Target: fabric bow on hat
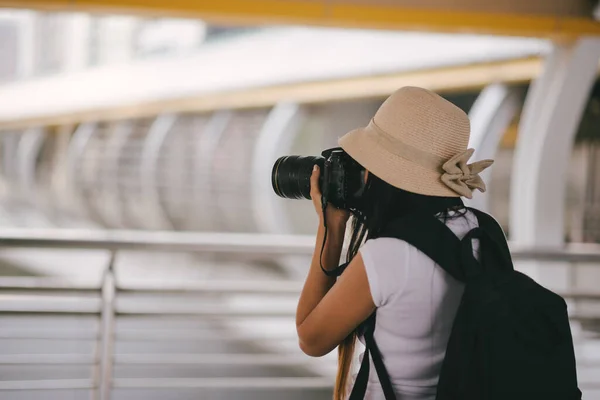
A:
x,y
463,178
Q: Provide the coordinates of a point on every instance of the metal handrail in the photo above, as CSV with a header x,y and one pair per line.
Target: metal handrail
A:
x,y
142,287
50,304
109,298
212,242
226,383
232,243
49,384
184,309
289,287
54,334
196,383
573,252
213,359
47,283
49,359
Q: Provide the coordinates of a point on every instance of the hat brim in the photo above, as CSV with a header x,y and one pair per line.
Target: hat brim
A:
x,y
362,145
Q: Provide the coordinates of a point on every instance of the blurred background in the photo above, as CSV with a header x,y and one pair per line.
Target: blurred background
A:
x,y
143,254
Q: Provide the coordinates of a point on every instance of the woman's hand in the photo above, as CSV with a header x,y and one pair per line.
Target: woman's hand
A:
x,y
336,218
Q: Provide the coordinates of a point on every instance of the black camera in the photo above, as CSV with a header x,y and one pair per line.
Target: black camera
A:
x,y
342,179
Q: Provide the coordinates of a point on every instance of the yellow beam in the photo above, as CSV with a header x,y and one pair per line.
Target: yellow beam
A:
x,y
467,22
350,14
444,80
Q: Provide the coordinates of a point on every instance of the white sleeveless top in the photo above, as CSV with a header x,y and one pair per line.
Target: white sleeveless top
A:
x,y
416,303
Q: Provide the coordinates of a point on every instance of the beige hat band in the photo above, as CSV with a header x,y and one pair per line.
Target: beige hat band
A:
x,y
406,151
455,173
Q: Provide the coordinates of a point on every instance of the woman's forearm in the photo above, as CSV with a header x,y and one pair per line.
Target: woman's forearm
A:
x,y
317,283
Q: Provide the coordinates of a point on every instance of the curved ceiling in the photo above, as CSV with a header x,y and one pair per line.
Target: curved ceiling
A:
x,y
266,58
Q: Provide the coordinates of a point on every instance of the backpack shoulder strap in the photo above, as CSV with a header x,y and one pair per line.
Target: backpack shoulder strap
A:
x,y
488,223
494,232
431,236
362,379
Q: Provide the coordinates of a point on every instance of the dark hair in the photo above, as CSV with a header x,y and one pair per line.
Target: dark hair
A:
x,y
381,203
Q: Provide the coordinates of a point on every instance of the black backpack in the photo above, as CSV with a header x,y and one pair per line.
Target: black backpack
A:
x,y
511,337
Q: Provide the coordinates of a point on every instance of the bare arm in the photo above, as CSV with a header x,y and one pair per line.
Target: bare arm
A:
x,y
327,313
317,283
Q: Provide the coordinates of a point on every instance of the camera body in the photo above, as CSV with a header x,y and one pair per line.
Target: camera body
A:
x,y
342,179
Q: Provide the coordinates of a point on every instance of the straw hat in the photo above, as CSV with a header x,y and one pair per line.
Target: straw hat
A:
x,y
417,141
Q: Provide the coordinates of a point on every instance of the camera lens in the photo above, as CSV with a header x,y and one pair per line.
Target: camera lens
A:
x,y
291,176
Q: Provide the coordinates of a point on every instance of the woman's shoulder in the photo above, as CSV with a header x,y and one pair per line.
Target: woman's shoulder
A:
x,y
382,255
386,262
382,245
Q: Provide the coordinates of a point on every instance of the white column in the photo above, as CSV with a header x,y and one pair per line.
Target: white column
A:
x,y
550,120
114,211
77,41
77,146
275,139
548,126
9,151
156,216
26,44
116,39
30,145
205,215
59,183
490,116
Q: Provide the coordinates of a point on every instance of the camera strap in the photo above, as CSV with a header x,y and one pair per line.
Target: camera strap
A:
x,y
324,204
338,270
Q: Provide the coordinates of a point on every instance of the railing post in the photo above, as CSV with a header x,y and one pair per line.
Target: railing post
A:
x,y
107,330
490,116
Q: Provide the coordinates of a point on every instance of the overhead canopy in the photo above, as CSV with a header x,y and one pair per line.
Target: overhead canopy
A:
x,y
541,18
272,58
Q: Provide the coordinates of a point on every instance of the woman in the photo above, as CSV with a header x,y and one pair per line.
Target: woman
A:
x,y
415,153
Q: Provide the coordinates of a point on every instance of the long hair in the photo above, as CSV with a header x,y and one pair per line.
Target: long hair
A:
x,y
382,202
